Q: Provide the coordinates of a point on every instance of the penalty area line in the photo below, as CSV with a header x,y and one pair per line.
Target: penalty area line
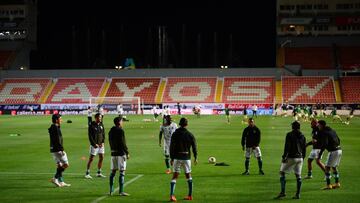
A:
x,y
117,189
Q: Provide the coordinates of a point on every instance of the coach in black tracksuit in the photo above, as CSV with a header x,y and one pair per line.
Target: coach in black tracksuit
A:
x,y
181,142
251,139
293,158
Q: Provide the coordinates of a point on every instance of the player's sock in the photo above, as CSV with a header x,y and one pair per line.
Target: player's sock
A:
x,y
99,171
247,162
172,187
282,183
336,176
309,173
58,173
112,175
298,185
61,171
167,161
190,184
260,164
327,175
87,171
121,182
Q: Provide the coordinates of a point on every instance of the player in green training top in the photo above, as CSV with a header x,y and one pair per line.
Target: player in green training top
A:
x,y
335,116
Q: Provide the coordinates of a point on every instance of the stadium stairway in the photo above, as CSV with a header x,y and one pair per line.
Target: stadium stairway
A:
x,y
160,91
47,91
104,89
337,91
219,90
278,92
280,57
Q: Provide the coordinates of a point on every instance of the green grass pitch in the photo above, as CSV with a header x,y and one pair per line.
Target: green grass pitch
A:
x,y
26,164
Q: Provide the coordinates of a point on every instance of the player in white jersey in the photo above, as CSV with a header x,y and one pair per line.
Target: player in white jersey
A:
x,y
89,113
167,128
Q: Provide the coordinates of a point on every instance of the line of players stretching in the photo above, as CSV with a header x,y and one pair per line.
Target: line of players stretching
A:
x,y
179,142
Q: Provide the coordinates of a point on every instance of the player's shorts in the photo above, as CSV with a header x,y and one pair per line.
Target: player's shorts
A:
x,y
333,159
167,148
95,151
314,154
256,151
60,158
118,163
185,164
292,164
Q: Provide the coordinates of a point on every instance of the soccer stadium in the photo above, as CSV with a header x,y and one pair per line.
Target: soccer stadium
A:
x,y
179,87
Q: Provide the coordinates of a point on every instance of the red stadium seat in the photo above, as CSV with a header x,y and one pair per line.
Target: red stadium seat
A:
x,y
190,90
248,90
310,57
308,89
349,57
75,90
350,87
22,91
145,88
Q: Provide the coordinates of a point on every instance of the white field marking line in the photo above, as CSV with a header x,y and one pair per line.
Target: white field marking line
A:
x,y
70,174
117,189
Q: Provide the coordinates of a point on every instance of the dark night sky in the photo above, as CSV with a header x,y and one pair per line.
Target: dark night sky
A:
x,y
70,34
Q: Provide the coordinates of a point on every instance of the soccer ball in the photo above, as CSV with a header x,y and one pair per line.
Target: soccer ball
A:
x,y
212,160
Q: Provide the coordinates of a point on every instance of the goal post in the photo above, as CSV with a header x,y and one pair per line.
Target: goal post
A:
x,y
131,105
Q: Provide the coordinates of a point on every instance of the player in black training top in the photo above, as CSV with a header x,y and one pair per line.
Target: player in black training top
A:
x,y
250,141
96,133
318,143
181,142
119,154
293,158
57,151
332,145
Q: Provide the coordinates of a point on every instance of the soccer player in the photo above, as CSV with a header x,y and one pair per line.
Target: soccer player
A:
x,y
119,155
335,116
167,128
178,108
245,118
332,145
227,113
254,109
317,142
89,113
181,142
155,113
251,139
101,112
96,134
349,117
57,151
292,159
120,110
